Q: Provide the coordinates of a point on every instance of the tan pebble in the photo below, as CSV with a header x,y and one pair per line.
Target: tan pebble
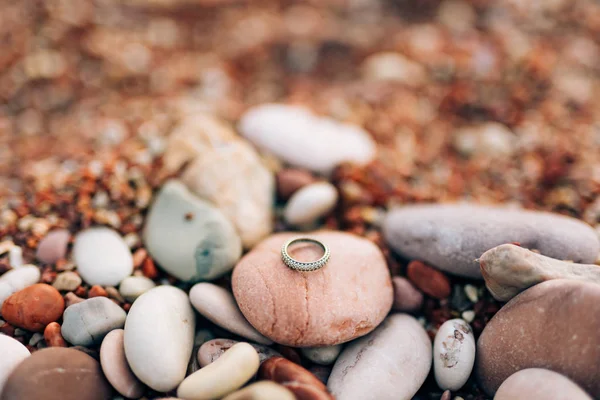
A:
x,y
33,307
289,180
71,298
53,336
509,269
429,280
115,366
264,390
232,370
68,280
57,373
294,377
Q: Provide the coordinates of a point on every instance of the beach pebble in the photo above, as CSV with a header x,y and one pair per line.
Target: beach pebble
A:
x,y
34,307
322,355
188,237
290,180
393,66
509,269
345,299
71,298
133,287
212,154
306,140
295,378
53,246
218,305
115,367
102,257
213,349
392,362
539,384
263,390
452,237
310,203
552,325
13,353
57,373
429,280
223,376
67,281
53,336
17,279
159,337
87,323
406,297
453,354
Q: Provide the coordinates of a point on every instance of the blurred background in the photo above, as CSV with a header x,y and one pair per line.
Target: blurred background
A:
x,y
492,101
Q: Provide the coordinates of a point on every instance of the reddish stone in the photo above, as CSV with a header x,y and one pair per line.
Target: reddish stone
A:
x,y
289,180
97,291
33,307
149,269
294,377
429,280
53,336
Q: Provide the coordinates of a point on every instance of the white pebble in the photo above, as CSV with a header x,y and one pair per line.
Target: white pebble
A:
x,y
15,257
304,139
102,257
310,203
133,287
453,354
471,292
468,315
13,353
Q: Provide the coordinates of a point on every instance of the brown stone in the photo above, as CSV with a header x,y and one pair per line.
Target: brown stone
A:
x,y
33,307
97,291
289,180
300,381
429,280
57,374
345,299
552,325
406,297
53,336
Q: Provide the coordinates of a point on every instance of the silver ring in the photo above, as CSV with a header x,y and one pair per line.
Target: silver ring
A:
x,y
304,266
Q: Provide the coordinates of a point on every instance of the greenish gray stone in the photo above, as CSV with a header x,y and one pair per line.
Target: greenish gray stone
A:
x,y
188,237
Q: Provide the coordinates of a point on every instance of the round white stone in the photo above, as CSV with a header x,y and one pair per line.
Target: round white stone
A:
x,y
12,354
159,337
102,256
453,354
310,203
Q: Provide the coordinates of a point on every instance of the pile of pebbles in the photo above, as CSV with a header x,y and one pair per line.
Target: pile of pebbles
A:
x,y
205,308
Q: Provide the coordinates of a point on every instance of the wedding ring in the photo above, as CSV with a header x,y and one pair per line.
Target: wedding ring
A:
x,y
304,266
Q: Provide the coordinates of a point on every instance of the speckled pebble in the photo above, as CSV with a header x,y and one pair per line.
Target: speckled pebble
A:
x,y
67,280
453,354
211,350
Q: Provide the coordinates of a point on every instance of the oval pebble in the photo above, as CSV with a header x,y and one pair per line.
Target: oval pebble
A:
x,y
219,306
406,297
322,355
102,256
17,279
263,390
303,139
67,281
345,299
391,362
57,373
295,378
34,307
310,203
115,366
190,238
225,375
159,337
133,287
53,246
551,325
452,237
87,323
539,384
13,353
213,349
453,354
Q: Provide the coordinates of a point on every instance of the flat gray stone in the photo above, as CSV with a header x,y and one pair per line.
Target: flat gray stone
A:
x,y
452,237
188,237
87,323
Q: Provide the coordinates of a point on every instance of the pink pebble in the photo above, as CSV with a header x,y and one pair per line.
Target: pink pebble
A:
x,y
53,246
406,297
